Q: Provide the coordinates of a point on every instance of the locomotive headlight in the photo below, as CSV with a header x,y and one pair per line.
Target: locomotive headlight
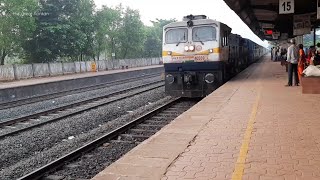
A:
x,y
209,78
191,48
169,52
211,50
186,48
169,78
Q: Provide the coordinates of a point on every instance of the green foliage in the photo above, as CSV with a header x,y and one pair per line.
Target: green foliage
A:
x,y
119,31
108,23
153,43
69,30
308,40
64,29
131,35
16,24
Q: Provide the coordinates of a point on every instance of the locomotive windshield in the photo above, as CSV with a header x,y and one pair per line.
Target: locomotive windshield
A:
x,y
176,36
204,33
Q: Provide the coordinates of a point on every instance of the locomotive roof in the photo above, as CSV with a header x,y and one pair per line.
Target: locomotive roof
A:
x,y
195,22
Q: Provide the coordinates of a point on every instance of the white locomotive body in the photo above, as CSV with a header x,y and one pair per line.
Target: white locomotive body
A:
x,y
200,54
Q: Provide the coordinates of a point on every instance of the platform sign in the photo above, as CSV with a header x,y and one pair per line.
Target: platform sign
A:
x,y
267,25
286,6
301,24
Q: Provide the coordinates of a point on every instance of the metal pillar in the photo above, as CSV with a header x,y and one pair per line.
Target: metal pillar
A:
x,y
314,36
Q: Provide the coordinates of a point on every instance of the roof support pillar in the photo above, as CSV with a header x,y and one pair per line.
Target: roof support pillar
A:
x,y
314,36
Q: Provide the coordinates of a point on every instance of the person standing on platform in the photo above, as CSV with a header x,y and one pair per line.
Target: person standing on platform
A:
x,y
301,61
311,54
292,59
272,53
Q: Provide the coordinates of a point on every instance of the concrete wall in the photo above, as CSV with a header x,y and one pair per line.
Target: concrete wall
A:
x,y
55,69
109,64
6,73
24,71
83,66
41,70
23,92
69,68
88,66
102,65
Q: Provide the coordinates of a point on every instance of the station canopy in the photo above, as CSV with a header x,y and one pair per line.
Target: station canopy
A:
x,y
277,19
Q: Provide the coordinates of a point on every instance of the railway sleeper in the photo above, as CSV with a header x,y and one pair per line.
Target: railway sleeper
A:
x,y
167,116
131,137
44,116
23,123
125,142
139,133
157,118
54,177
142,130
171,111
9,127
161,123
149,126
34,120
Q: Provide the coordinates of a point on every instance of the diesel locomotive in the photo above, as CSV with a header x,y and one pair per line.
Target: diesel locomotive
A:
x,y
200,54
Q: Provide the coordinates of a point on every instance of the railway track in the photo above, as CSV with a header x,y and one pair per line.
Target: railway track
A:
x,y
30,100
131,134
33,120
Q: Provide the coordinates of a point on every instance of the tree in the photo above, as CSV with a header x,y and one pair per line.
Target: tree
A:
x,y
64,29
82,23
153,43
132,35
16,25
107,23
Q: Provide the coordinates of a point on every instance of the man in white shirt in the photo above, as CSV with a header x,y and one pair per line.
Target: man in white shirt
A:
x,y
292,59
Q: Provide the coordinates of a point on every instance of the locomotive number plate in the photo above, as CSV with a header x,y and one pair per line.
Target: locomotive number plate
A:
x,y
201,58
196,58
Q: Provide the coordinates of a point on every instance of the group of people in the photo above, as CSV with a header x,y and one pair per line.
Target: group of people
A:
x,y
297,61
278,53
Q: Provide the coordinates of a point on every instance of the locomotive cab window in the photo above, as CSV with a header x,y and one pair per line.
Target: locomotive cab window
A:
x,y
176,36
205,33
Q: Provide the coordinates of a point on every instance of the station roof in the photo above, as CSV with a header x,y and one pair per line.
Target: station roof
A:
x,y
262,15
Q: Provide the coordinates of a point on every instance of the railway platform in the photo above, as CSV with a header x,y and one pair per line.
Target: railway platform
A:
x,y
23,89
42,80
251,128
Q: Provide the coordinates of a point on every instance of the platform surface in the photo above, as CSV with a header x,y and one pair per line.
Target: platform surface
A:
x,y
252,128
42,80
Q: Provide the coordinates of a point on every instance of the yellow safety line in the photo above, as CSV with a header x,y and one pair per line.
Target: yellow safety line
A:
x,y
239,167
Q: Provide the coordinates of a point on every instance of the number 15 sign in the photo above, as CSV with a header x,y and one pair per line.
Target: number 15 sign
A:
x,y
286,6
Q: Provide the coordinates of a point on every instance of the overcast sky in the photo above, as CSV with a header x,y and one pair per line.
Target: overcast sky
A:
x,y
169,9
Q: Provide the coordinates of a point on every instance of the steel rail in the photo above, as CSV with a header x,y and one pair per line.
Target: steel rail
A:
x,y
35,99
26,118
52,166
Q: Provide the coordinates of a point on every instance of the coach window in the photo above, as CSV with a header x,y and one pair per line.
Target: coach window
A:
x,y
205,33
176,36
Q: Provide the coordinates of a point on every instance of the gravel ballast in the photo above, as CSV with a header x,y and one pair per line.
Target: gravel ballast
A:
x,y
65,100
27,151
